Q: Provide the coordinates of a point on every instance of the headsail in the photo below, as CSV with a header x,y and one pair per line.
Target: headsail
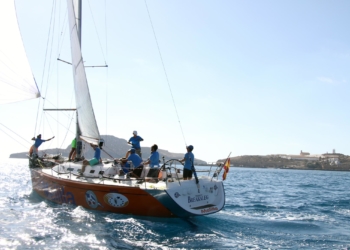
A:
x,y
86,116
16,79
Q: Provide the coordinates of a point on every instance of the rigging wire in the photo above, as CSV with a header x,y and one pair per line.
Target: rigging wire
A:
x,y
57,78
65,136
107,153
166,75
67,128
47,64
61,38
71,117
44,68
103,54
13,138
51,49
63,33
50,127
106,36
93,19
13,133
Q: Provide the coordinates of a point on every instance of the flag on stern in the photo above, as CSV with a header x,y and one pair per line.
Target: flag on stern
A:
x,y
226,168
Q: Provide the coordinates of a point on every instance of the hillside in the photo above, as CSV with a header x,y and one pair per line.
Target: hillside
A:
x,y
274,161
115,147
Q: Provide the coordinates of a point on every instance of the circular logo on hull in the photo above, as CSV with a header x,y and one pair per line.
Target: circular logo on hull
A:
x,y
116,200
91,199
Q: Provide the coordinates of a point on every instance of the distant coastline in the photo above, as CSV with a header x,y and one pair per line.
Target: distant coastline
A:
x,y
330,162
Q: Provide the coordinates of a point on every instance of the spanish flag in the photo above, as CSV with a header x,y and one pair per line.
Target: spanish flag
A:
x,y
226,168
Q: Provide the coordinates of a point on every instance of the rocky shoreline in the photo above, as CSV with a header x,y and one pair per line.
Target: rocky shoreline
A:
x,y
273,161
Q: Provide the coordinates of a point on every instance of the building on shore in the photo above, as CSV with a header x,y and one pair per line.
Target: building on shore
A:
x,y
332,158
304,153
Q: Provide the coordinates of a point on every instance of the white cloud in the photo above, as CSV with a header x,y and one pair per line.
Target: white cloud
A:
x,y
326,80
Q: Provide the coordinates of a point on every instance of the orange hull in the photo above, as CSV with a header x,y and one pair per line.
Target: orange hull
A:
x,y
116,199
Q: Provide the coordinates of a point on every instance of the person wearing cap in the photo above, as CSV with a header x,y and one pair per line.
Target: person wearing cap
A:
x,y
134,158
135,143
153,160
37,143
125,165
136,162
189,160
93,161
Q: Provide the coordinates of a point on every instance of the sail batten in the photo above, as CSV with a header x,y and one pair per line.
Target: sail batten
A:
x,y
86,116
16,80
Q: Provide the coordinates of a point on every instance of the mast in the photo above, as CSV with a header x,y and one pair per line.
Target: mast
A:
x,y
78,13
86,128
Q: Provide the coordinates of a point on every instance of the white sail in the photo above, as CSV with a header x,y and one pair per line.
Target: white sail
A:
x,y
86,116
16,79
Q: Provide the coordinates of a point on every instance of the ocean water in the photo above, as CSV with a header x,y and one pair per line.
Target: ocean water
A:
x,y
265,209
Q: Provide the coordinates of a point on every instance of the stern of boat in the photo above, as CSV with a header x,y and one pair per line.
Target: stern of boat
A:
x,y
187,199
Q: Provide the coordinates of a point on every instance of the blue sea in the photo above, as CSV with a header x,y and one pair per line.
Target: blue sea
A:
x,y
265,209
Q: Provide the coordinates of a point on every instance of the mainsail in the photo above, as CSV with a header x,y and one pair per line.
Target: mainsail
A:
x,y
86,116
16,79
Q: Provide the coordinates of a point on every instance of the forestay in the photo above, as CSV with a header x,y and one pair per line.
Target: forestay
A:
x,y
16,79
86,116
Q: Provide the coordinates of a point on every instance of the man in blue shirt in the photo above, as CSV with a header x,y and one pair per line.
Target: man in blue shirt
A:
x,y
134,158
37,143
93,161
125,165
136,162
153,169
135,143
189,160
153,160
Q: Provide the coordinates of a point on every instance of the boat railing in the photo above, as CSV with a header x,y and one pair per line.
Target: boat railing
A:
x,y
171,171
217,170
173,168
68,171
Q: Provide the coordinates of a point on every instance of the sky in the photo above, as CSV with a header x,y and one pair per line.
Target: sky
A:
x,y
240,77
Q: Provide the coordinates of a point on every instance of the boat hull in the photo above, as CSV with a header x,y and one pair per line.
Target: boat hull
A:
x,y
107,198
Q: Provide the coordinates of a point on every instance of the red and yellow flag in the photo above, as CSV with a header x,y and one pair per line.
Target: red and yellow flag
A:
x,y
226,168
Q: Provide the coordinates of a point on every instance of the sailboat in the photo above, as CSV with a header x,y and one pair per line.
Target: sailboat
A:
x,y
104,187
